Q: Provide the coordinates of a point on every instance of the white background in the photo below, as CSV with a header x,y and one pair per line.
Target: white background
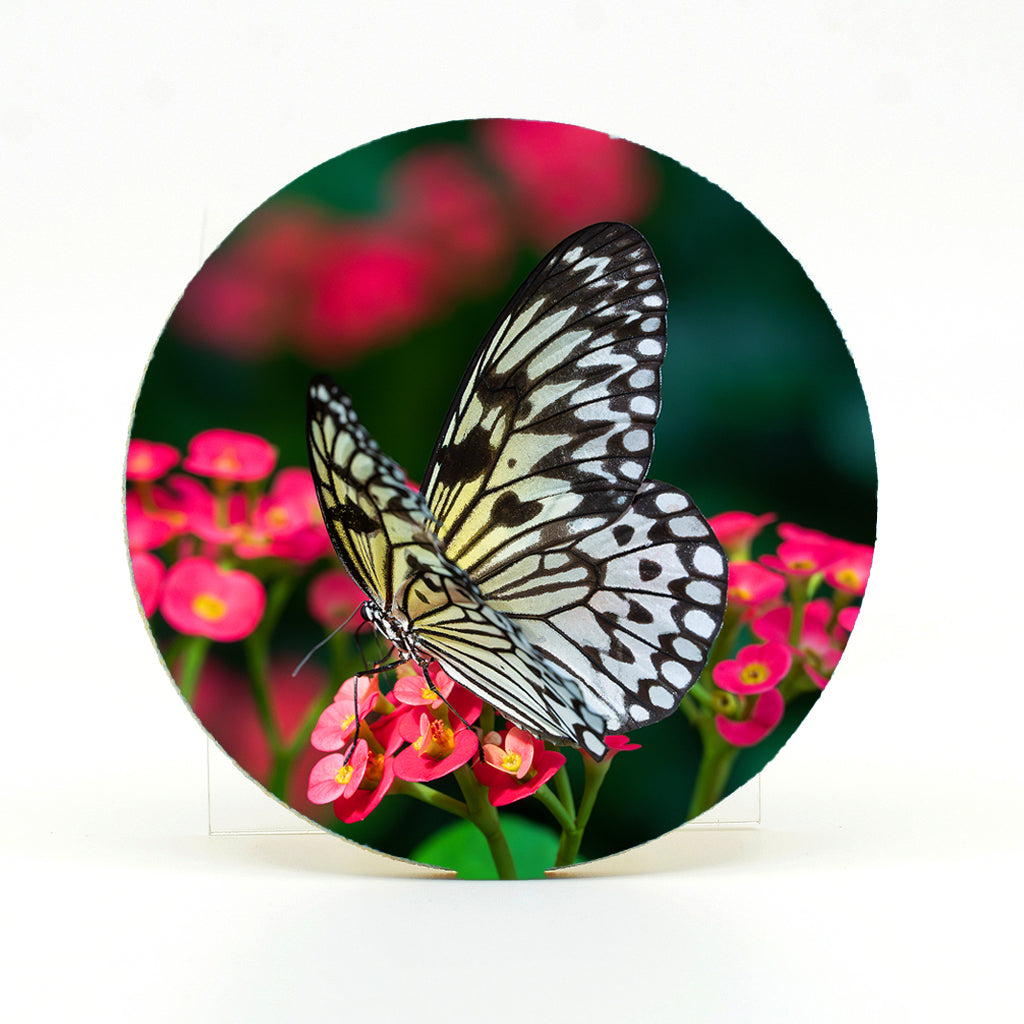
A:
x,y
880,144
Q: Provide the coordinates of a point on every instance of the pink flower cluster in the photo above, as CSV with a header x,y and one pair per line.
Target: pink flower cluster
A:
x,y
419,733
802,639
302,276
204,530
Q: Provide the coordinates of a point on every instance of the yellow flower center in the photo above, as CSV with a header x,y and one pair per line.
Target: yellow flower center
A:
x,y
343,774
848,578
754,674
801,563
277,516
741,593
437,742
209,607
227,461
140,462
511,762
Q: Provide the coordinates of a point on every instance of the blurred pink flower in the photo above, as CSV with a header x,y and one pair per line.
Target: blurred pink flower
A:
x,y
814,636
370,285
563,177
332,597
230,455
767,712
244,298
201,599
148,460
737,530
148,571
850,569
149,529
755,669
752,585
440,198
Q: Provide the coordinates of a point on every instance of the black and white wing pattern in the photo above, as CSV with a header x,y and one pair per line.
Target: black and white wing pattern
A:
x,y
629,611
538,567
426,606
551,430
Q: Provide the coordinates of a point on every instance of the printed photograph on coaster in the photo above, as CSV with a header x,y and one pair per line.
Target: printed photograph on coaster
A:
x,y
501,495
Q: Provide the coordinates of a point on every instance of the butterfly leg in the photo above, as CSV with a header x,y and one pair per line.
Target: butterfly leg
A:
x,y
433,689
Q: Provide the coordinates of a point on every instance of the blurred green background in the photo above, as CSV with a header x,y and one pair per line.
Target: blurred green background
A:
x,y
386,266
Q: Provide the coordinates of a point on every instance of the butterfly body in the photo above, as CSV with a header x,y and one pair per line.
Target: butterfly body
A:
x,y
537,566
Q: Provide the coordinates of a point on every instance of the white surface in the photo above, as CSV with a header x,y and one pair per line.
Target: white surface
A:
x,y
880,144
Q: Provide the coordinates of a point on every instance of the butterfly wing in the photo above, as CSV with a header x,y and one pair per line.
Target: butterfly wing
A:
x,y
630,611
551,430
382,532
490,655
379,526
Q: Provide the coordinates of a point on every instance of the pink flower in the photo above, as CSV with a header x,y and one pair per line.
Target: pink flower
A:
x,y
514,765
564,177
149,573
767,712
847,618
148,529
201,599
814,638
414,690
337,776
618,744
369,285
337,723
755,669
440,197
148,460
243,300
332,598
737,530
376,781
435,749
751,585
802,558
849,571
230,455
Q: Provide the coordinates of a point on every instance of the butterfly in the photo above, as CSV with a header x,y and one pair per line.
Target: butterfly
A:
x,y
536,565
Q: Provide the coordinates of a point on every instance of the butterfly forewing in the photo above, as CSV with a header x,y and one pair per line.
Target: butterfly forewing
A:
x,y
551,430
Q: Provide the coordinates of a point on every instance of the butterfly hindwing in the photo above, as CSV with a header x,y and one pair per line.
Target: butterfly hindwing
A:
x,y
630,611
551,430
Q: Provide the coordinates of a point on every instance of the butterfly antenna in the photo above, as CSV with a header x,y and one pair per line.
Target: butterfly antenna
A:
x,y
313,650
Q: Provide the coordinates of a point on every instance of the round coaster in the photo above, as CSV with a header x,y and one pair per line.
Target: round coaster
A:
x,y
501,495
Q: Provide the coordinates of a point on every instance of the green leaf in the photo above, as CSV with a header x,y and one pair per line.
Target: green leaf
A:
x,y
461,847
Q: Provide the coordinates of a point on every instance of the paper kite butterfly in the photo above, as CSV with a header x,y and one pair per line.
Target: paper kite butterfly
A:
x,y
537,566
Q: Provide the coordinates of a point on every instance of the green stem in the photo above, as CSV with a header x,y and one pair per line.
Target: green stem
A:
x,y
564,788
431,796
485,817
713,773
557,808
569,845
193,655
